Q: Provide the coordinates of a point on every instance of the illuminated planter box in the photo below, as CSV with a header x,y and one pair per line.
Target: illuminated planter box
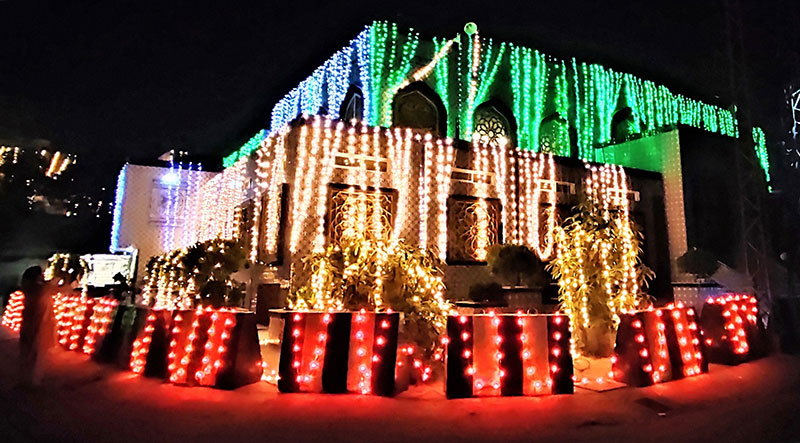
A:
x,y
213,347
118,341
73,317
100,323
658,345
149,349
732,329
12,316
339,352
508,354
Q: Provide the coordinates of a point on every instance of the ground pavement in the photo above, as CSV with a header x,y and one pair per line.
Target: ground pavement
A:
x,y
84,401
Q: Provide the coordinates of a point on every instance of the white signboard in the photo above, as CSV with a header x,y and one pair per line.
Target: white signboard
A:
x,y
103,268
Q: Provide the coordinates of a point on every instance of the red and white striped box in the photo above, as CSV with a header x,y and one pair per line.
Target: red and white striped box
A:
x,y
508,354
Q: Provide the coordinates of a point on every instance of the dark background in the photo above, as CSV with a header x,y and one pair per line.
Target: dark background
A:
x,y
117,80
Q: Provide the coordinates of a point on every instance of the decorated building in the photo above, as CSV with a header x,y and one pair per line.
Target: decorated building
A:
x,y
453,145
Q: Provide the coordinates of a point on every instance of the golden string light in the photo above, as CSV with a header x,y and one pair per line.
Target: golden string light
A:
x,y
444,172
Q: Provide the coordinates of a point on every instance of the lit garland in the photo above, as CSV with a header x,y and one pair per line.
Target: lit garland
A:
x,y
192,206
507,354
529,74
172,179
216,347
419,74
206,351
262,182
248,148
504,188
274,188
687,335
344,276
444,166
739,313
218,203
399,145
480,158
81,312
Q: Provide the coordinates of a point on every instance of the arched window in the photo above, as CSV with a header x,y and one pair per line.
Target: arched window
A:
x,y
418,107
493,122
353,105
554,136
624,125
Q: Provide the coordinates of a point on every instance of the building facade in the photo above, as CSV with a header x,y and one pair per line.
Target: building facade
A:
x,y
449,144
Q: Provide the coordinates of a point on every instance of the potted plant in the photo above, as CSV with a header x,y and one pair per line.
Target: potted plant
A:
x,y
521,271
599,273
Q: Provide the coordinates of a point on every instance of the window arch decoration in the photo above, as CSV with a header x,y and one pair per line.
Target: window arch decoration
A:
x,y
417,106
624,126
554,136
352,105
493,122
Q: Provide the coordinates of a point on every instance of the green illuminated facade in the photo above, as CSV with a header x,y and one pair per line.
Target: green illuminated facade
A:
x,y
567,107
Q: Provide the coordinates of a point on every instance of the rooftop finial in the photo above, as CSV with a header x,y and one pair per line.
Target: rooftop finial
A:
x,y
471,28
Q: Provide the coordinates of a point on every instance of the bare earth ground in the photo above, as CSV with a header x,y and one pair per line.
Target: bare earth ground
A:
x,y
83,401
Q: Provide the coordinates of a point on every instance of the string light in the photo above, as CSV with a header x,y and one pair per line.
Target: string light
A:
x,y
119,199
760,141
536,171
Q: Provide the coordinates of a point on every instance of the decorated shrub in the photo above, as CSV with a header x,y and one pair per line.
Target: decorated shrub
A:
x,y
362,273
597,264
198,274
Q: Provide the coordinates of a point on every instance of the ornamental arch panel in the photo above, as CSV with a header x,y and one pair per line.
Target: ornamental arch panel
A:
x,y
492,121
417,106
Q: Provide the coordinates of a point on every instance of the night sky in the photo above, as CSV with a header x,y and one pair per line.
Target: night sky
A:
x,y
116,80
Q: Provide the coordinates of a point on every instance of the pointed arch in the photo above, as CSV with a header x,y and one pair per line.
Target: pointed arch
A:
x,y
492,120
353,104
417,106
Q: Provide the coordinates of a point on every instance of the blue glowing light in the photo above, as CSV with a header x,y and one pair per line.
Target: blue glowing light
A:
x,y
118,201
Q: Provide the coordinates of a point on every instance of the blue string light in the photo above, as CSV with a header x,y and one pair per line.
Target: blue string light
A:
x,y
118,201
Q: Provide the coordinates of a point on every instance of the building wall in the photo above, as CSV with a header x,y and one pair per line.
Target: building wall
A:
x,y
309,188
154,214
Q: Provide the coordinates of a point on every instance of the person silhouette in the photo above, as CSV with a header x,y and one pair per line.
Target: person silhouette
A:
x,y
37,332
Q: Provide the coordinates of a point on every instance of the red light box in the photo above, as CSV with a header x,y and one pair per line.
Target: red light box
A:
x,y
732,329
658,345
508,355
337,352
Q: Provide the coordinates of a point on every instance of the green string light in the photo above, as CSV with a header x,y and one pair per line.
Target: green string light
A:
x,y
760,141
489,64
441,74
584,96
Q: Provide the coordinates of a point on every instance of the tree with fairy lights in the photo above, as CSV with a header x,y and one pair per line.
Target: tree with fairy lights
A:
x,y
359,272
597,263
66,269
197,274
